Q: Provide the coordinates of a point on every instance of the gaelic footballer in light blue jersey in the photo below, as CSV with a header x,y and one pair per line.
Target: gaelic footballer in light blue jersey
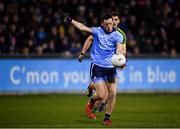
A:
x,y
106,42
104,46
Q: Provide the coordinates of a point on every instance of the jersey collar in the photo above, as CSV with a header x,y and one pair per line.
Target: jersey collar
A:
x,y
106,31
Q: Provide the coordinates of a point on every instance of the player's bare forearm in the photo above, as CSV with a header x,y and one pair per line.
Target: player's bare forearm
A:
x,y
81,26
120,49
123,50
87,44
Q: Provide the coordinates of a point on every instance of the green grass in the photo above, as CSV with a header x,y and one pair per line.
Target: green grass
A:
x,y
131,110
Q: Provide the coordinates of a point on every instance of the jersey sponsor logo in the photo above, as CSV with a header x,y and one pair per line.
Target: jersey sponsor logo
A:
x,y
107,42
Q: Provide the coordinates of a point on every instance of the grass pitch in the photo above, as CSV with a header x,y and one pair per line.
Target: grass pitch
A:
x,y
67,111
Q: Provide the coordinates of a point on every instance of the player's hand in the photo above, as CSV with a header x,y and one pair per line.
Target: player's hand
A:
x,y
122,67
67,19
81,57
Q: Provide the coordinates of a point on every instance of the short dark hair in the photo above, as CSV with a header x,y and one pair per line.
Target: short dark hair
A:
x,y
115,14
106,17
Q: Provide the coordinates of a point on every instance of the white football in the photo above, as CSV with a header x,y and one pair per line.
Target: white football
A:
x,y
118,60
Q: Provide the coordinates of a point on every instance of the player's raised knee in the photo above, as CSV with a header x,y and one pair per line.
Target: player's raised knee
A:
x,y
100,96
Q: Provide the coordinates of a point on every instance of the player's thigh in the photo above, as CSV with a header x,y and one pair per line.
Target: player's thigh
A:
x,y
100,88
96,73
98,78
112,86
106,89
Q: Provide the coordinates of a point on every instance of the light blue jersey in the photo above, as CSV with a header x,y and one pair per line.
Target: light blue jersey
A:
x,y
104,46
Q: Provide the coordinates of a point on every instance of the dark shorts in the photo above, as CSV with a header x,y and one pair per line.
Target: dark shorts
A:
x,y
98,73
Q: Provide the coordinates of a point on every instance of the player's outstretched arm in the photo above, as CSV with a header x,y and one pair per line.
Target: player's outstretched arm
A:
x,y
86,46
81,26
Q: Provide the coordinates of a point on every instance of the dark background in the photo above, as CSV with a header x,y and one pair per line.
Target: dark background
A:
x,y
35,27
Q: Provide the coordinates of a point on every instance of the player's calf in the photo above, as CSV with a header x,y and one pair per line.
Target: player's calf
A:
x,y
101,107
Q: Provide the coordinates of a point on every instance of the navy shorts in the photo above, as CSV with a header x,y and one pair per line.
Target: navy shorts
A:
x,y
98,73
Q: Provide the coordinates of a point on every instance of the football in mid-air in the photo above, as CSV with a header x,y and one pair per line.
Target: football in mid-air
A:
x,y
118,60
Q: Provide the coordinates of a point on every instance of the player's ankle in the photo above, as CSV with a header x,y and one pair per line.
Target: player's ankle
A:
x,y
94,110
107,117
92,101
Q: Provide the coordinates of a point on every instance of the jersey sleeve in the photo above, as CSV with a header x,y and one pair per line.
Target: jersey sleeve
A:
x,y
94,30
119,38
124,35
